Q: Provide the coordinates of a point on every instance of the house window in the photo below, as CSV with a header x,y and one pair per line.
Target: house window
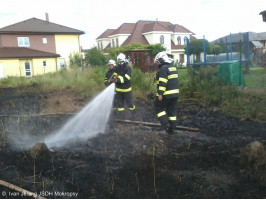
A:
x,y
162,39
44,40
117,43
178,40
1,71
181,58
27,69
23,42
44,63
113,43
185,40
62,62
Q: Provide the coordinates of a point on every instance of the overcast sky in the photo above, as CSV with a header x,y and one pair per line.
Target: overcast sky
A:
x,y
212,18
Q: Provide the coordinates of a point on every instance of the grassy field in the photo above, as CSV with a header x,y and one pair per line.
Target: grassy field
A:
x,y
204,88
256,77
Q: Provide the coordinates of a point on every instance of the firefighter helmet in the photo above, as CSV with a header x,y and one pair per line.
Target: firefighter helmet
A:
x,y
162,57
121,58
111,62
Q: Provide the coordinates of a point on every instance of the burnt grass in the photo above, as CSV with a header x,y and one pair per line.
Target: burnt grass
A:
x,y
130,161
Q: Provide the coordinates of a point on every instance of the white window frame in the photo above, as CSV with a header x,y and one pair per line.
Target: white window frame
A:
x,y
161,39
27,70
23,41
44,63
44,40
1,71
117,42
62,63
178,40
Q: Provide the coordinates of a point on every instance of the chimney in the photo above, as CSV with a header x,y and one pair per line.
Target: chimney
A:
x,y
47,17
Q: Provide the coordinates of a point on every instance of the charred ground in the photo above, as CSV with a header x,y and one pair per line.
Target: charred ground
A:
x,y
128,161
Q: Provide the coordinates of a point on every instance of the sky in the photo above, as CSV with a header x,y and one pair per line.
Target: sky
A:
x,y
211,18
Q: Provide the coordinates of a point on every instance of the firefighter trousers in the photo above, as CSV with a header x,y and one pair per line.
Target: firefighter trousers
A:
x,y
166,111
122,98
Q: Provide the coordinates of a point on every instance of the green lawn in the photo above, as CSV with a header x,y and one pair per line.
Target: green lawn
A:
x,y
256,77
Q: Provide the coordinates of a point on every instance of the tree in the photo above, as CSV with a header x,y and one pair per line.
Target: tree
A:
x,y
75,60
196,46
155,48
215,49
95,57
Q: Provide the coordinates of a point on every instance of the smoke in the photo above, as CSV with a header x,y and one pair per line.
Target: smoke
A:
x,y
90,121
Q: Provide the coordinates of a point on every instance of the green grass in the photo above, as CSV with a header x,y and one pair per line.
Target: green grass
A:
x,y
203,88
256,77
87,81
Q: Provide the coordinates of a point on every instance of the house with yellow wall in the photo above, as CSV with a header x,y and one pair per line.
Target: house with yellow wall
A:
x,y
35,47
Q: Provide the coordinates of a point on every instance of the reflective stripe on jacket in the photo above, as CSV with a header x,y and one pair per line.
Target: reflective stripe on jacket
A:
x,y
167,81
123,78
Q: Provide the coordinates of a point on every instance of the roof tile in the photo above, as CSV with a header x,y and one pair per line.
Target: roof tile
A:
x,y
35,25
22,52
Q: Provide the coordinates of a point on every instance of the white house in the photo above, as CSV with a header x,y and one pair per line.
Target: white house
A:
x,y
172,36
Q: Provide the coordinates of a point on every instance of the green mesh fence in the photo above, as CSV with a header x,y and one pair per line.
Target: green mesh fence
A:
x,y
231,73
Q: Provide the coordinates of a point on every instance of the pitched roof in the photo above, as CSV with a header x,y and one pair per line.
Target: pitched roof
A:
x,y
125,28
136,35
35,25
154,26
179,28
142,26
22,52
105,34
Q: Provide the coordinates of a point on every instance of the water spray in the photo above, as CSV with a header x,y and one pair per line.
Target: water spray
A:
x,y
87,123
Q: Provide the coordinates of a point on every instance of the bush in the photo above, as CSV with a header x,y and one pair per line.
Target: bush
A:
x,y
95,57
75,60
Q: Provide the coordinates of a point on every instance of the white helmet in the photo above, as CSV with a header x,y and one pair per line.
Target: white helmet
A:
x,y
111,62
162,57
121,58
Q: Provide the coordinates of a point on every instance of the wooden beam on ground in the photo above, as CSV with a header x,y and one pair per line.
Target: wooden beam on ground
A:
x,y
155,124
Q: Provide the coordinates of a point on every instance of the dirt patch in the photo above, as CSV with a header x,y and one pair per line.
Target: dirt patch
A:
x,y
61,102
128,161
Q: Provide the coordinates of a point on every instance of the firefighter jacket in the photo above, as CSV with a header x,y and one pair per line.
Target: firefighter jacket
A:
x,y
123,78
167,81
110,73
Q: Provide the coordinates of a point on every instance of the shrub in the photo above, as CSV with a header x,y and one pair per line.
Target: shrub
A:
x,y
95,57
75,60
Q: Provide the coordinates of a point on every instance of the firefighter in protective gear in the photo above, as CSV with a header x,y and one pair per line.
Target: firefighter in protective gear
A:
x,y
110,73
123,85
167,92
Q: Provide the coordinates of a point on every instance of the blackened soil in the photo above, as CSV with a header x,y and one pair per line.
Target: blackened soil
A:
x,y
130,161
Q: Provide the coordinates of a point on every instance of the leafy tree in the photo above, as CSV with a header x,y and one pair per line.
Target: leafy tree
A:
x,y
222,45
95,57
155,48
215,49
196,46
75,60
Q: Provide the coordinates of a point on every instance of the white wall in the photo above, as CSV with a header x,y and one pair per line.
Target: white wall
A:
x,y
121,39
105,43
182,35
154,38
